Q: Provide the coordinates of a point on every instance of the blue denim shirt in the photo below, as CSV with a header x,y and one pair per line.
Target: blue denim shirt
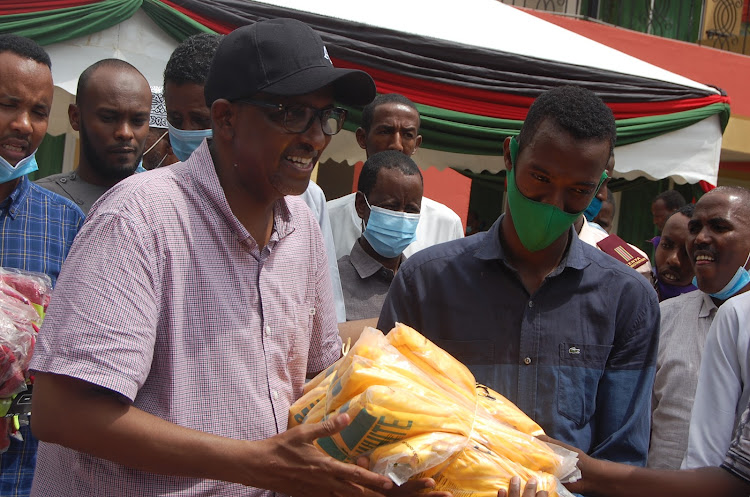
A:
x,y
578,355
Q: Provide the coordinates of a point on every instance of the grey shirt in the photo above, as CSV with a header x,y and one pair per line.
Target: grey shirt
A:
x,y
71,186
365,283
685,321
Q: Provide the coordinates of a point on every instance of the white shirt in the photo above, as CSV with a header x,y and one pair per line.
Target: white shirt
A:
x,y
723,385
437,224
316,201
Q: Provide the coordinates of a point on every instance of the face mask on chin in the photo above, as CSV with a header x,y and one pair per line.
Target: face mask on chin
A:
x,y
739,281
390,232
25,166
537,224
184,142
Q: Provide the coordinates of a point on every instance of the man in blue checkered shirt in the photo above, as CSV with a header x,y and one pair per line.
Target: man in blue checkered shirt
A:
x,y
37,226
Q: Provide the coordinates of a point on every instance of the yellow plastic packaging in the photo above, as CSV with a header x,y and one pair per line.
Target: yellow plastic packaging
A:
x,y
416,411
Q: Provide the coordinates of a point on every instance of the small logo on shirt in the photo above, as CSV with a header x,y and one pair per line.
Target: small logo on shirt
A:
x,y
574,350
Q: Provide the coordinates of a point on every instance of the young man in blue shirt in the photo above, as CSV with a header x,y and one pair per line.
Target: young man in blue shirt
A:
x,y
37,226
563,330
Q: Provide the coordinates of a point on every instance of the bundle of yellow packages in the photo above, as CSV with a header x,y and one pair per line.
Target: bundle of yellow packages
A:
x,y
417,412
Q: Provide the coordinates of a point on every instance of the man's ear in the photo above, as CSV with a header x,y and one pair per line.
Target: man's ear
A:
x,y
224,118
361,206
74,117
506,154
361,135
417,142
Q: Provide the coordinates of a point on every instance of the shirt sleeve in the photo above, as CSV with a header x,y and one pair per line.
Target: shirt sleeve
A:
x,y
718,393
101,324
623,406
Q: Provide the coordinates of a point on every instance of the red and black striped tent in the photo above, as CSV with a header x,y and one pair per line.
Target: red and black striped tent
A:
x,y
473,67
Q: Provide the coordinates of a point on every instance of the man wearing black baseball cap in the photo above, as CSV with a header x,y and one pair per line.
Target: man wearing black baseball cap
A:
x,y
196,300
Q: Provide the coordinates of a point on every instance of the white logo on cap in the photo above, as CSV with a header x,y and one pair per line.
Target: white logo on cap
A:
x,y
325,55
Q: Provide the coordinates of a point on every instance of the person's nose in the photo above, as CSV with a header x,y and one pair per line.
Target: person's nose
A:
x,y
397,143
124,131
315,137
22,123
673,258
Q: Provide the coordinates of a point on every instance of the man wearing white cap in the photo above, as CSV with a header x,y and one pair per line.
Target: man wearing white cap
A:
x,y
158,149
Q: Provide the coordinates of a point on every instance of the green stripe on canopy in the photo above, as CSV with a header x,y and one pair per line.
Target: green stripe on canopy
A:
x,y
457,132
54,26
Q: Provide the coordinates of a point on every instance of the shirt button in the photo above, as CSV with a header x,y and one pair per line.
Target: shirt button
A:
x,y
531,304
527,361
275,394
312,311
268,331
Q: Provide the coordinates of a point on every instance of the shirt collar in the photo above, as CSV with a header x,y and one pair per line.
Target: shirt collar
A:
x,y
15,200
365,265
707,306
490,248
203,171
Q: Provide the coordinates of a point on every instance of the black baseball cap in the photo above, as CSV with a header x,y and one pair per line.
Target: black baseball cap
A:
x,y
281,57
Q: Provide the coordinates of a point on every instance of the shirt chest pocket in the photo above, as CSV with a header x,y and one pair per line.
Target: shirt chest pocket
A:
x,y
579,371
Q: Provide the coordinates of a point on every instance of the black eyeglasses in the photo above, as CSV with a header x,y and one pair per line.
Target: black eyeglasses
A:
x,y
299,118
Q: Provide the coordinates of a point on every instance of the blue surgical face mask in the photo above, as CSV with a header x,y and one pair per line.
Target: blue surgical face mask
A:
x,y
739,281
390,232
593,209
184,141
25,166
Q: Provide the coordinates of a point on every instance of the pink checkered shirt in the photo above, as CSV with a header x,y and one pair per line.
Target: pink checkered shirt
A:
x,y
166,299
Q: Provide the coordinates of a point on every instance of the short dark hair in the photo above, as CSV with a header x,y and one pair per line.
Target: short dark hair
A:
x,y
368,113
387,159
24,47
576,110
686,210
191,60
673,200
83,79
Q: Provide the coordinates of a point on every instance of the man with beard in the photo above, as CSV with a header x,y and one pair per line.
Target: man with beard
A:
x,y
111,114
718,244
37,227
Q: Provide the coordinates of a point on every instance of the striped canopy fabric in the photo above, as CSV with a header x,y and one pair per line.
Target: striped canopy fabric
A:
x,y
473,68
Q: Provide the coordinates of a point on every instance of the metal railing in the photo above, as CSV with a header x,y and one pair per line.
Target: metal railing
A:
x,y
717,23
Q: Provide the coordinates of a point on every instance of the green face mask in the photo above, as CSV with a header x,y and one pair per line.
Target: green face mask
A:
x,y
537,224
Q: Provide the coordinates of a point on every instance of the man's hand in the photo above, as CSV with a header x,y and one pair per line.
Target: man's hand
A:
x,y
514,489
411,487
587,464
289,463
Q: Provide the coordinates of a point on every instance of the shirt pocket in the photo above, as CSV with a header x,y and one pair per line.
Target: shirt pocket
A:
x,y
580,368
